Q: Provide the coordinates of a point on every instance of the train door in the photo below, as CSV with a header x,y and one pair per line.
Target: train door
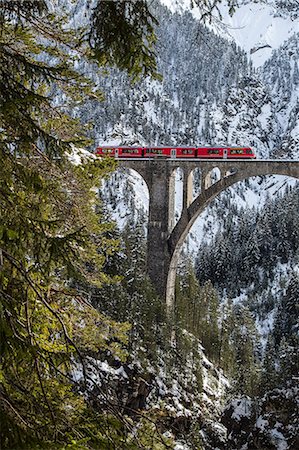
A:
x,y
173,153
225,152
116,153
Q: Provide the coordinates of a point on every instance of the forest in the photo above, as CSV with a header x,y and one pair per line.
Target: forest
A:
x,y
88,358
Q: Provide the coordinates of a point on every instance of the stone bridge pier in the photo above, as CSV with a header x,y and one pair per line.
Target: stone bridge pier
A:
x,y
160,180
165,238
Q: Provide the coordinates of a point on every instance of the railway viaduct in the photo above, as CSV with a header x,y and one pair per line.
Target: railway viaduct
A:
x,y
165,238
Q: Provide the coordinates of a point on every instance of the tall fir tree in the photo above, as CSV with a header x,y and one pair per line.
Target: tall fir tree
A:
x,y
52,236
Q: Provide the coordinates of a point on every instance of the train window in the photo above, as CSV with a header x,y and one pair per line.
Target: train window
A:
x,y
107,150
236,151
213,151
187,151
248,151
130,151
154,151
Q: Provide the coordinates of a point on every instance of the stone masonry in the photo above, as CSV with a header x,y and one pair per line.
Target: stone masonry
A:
x,y
165,239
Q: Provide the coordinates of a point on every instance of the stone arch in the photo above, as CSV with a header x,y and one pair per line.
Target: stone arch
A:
x,y
202,201
164,247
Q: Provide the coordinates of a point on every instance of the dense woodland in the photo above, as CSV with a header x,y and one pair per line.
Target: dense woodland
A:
x,y
89,359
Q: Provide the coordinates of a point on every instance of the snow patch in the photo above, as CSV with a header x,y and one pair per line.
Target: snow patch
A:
x,y
242,408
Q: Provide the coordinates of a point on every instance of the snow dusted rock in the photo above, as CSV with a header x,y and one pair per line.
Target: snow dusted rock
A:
x,y
268,424
238,418
276,426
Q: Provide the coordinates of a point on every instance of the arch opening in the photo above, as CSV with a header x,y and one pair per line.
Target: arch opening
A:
x,y
182,229
212,177
126,196
176,193
196,182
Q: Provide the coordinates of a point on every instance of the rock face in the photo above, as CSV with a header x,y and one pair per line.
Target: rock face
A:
x,y
270,423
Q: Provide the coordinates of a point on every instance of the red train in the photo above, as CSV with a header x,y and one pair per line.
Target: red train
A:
x,y
177,152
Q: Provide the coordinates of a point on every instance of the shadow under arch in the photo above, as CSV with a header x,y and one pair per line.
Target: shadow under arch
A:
x,y
190,214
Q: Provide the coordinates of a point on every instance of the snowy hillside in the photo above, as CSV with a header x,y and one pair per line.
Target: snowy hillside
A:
x,y
93,356
235,84
213,91
258,28
203,101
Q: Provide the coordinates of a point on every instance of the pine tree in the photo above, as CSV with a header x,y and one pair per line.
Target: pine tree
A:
x,y
251,260
51,240
197,311
226,345
269,375
209,327
288,361
286,321
247,365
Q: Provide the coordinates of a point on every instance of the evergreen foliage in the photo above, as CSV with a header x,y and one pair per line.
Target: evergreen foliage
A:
x,y
248,250
246,361
51,240
274,403
227,333
244,258
123,33
197,311
209,7
281,363
133,298
289,8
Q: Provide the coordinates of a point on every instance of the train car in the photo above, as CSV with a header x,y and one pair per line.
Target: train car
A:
x,y
177,152
212,152
170,152
130,152
120,152
225,152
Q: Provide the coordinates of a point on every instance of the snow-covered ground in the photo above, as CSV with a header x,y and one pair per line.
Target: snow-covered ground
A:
x,y
255,27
